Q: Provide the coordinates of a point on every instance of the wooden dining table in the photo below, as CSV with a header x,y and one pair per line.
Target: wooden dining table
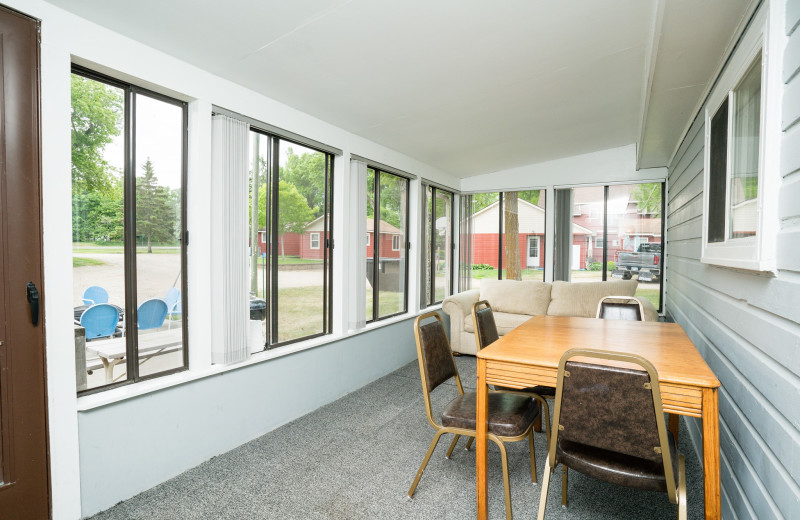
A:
x,y
529,355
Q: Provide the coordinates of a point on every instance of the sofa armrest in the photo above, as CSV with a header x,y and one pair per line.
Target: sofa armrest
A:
x,y
650,312
458,307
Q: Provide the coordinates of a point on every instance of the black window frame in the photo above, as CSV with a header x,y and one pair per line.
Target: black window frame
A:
x,y
272,240
429,293
376,244
129,223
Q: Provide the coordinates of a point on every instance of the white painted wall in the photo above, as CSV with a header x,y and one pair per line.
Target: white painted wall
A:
x,y
747,324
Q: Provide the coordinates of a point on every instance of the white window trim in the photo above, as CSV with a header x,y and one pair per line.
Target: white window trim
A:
x,y
312,237
368,235
755,253
398,243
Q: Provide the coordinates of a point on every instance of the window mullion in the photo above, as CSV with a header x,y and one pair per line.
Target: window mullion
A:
x,y
129,246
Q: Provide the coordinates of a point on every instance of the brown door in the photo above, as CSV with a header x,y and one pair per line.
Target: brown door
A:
x,y
24,482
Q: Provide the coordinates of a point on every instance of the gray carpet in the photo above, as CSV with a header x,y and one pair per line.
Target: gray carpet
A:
x,y
356,458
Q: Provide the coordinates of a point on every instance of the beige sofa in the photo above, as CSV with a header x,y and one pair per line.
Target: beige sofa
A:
x,y
513,302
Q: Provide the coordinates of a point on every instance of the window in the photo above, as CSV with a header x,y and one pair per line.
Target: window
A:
x,y
368,235
387,266
735,231
128,224
436,279
496,231
291,198
622,239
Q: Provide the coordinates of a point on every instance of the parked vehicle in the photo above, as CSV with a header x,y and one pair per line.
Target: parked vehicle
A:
x,y
644,262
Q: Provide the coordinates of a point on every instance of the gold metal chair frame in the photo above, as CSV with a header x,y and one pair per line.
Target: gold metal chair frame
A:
x,y
629,299
677,495
544,408
459,432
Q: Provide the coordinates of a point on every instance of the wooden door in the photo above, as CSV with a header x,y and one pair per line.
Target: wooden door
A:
x,y
24,479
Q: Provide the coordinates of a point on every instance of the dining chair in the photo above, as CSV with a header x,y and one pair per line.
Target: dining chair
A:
x,y
94,294
610,426
100,321
510,417
620,308
485,334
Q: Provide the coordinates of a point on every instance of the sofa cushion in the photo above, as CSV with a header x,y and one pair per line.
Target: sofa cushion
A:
x,y
505,322
581,298
516,297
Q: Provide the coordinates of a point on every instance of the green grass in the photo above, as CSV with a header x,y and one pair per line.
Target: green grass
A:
x,y
651,294
117,249
299,312
82,262
390,302
285,260
527,274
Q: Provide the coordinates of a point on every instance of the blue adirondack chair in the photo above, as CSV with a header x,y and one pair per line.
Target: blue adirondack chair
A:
x,y
100,321
151,314
95,294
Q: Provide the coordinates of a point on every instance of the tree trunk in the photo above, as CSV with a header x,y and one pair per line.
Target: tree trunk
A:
x,y
149,244
511,219
283,250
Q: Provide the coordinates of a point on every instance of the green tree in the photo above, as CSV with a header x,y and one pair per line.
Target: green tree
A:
x,y
155,215
98,217
293,211
97,115
307,173
648,198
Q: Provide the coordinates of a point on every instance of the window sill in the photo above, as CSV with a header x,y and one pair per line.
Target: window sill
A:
x,y
109,397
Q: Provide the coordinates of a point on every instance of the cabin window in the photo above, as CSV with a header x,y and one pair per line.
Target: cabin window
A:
x,y
436,274
128,230
387,263
291,194
742,159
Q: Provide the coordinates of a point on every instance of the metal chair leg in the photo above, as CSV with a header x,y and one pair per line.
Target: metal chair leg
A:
x,y
506,483
545,410
452,446
545,485
533,456
434,442
681,488
564,478
469,443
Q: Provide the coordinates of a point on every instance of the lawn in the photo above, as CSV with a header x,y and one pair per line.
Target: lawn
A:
x,y
299,312
83,262
287,260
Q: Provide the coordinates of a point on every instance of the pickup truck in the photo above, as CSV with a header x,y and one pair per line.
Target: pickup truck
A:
x,y
645,261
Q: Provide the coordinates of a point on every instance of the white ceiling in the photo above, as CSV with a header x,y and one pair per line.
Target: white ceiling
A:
x,y
467,86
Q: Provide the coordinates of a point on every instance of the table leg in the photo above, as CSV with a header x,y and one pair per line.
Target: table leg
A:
x,y
711,476
480,441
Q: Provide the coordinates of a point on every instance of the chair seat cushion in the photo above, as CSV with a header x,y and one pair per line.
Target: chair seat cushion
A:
x,y
509,415
616,468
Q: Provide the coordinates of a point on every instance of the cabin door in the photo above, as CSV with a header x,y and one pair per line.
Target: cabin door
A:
x,y
24,479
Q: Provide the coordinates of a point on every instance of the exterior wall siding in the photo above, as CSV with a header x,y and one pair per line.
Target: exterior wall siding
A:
x,y
745,324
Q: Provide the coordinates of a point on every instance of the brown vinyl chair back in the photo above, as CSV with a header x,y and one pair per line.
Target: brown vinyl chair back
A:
x,y
620,308
612,408
484,324
436,363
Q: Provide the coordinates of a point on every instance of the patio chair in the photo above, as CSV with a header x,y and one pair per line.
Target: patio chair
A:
x,y
486,334
94,294
620,308
174,304
610,426
151,314
100,321
510,417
